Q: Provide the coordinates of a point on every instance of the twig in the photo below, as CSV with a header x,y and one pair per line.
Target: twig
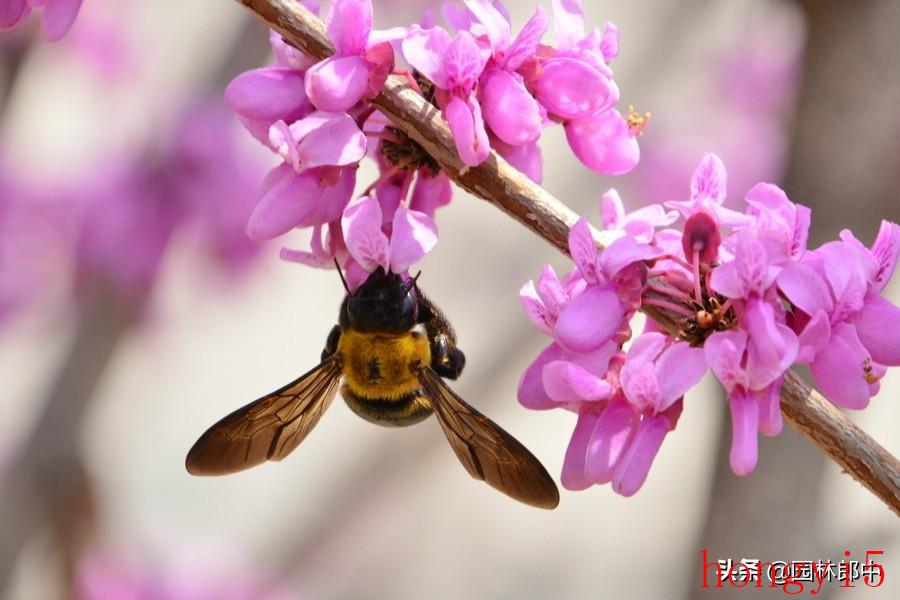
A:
x,y
500,184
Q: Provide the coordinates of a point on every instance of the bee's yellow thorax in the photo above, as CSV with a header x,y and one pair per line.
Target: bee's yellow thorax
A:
x,y
379,366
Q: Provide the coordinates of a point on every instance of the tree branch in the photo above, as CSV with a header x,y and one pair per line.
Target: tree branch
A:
x,y
503,186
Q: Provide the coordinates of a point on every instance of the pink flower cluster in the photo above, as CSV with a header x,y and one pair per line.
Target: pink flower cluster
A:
x,y
56,18
494,91
752,301
500,91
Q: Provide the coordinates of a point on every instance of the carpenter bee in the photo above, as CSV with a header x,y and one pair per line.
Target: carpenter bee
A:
x,y
393,348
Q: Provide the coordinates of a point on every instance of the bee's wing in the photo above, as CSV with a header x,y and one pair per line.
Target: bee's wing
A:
x,y
486,451
269,428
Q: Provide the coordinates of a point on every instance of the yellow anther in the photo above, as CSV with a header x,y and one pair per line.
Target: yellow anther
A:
x,y
636,123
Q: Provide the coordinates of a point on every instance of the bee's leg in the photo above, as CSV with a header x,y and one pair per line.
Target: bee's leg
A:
x,y
331,345
446,359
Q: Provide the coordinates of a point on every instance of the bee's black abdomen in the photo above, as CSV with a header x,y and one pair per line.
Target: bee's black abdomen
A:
x,y
407,410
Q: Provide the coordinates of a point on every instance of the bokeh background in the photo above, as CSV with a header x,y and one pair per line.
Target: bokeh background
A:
x,y
103,387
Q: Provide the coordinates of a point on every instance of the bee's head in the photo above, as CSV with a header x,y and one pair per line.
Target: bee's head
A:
x,y
384,303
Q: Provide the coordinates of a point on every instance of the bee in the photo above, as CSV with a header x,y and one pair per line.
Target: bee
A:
x,y
393,349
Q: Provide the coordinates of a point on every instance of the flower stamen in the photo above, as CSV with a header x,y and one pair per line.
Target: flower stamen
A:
x,y
636,123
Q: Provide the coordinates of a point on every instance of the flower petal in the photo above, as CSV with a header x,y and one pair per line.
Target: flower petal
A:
x,y
584,252
535,310
612,211
425,49
337,189
510,111
744,427
380,59
804,287
568,22
769,399
267,94
572,89
604,143
527,42
551,291
886,250
12,12
431,192
647,346
287,56
349,24
366,242
413,236
844,272
709,181
624,252
58,17
772,347
531,393
609,43
838,370
573,475
567,382
336,141
590,320
337,83
632,470
724,351
463,62
284,205
609,440
493,21
878,326
814,337
678,369
468,130
526,158
640,385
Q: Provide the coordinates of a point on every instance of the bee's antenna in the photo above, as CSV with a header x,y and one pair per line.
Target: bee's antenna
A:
x,y
337,266
413,281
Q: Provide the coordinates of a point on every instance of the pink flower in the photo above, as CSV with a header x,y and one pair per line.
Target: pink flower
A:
x,y
640,224
362,59
575,82
413,235
511,112
708,192
752,272
750,367
56,19
614,279
783,224
848,333
527,158
656,375
616,441
261,97
454,66
604,142
321,153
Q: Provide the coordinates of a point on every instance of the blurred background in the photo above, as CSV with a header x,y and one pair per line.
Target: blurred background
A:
x,y
134,313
